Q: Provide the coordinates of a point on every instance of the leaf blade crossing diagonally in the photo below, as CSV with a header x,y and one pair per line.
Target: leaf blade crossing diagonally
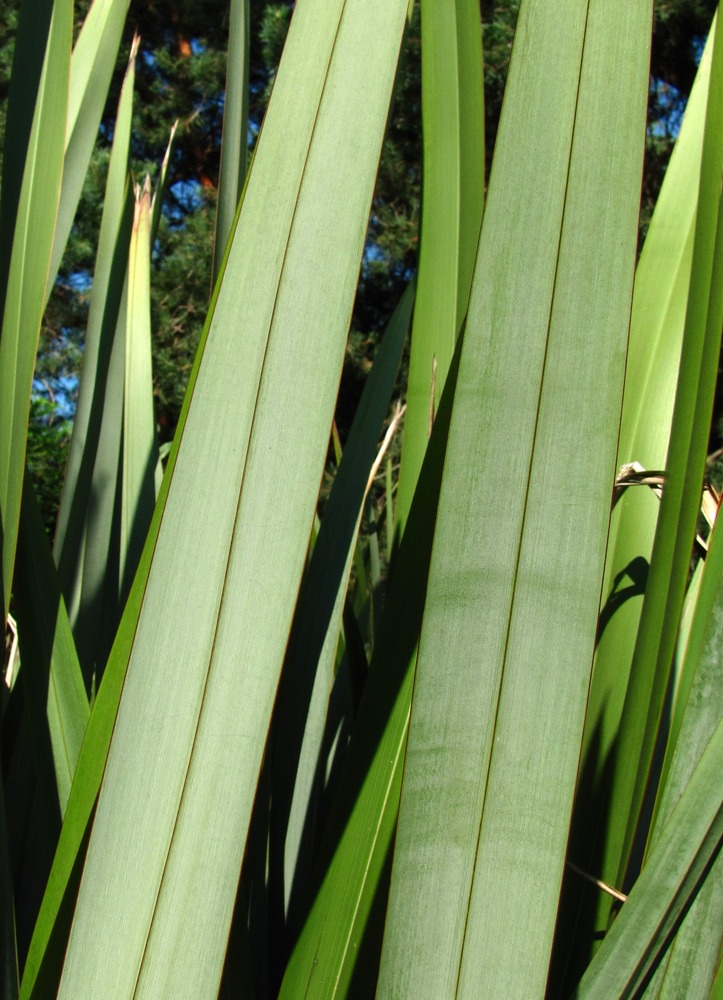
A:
x,y
218,640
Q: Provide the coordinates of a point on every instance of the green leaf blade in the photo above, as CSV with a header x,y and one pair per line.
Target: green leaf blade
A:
x,y
23,302
296,219
50,670
690,840
675,532
310,656
509,625
453,198
656,333
235,128
140,448
362,824
88,499
91,68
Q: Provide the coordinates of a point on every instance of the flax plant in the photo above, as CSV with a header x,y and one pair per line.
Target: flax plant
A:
x,y
236,760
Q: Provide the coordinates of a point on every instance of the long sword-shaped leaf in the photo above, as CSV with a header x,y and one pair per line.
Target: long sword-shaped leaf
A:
x,y
54,690
510,615
140,447
452,200
34,23
45,956
41,975
229,556
234,142
88,499
690,839
656,331
689,966
91,67
160,189
23,298
699,704
55,708
676,527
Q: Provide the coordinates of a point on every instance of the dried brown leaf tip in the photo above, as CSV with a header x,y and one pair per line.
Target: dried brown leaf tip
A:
x,y
710,503
634,474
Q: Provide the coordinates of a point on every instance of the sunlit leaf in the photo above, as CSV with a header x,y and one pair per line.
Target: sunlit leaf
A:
x,y
235,549
510,616
452,200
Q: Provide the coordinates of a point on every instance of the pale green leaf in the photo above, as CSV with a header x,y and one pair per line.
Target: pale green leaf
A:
x,y
510,616
699,707
43,965
139,458
689,966
452,200
717,991
229,556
